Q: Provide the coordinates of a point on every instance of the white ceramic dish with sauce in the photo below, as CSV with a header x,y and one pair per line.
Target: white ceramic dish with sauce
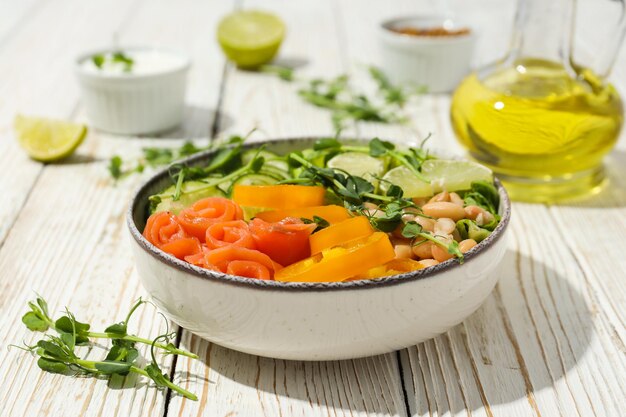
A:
x,y
313,321
437,62
147,98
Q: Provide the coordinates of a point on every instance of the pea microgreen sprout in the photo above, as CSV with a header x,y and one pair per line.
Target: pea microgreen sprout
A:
x,y
347,103
117,57
180,172
57,353
160,156
413,230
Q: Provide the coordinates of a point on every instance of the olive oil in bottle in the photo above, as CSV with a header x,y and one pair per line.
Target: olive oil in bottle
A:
x,y
543,130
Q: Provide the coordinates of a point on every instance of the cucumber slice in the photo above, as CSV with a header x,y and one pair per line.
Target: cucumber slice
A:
x,y
273,162
248,155
257,179
279,164
192,191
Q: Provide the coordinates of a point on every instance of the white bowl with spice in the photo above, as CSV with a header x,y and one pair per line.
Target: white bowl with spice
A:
x,y
430,51
134,90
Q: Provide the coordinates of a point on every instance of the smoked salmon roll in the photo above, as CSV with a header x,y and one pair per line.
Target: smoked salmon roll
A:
x,y
233,233
163,231
196,219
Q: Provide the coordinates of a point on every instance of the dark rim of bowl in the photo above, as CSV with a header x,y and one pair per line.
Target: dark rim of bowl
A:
x,y
389,24
202,273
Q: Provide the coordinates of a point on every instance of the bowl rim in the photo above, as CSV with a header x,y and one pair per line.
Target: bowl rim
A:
x,y
184,65
218,277
386,33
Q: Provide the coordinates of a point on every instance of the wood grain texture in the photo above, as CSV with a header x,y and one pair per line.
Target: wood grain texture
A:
x,y
80,247
233,383
550,341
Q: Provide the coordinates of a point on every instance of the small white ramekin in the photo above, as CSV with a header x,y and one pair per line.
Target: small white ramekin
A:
x,y
133,104
436,62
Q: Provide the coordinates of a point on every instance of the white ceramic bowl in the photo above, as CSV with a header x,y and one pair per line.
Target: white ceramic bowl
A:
x,y
436,62
313,321
135,103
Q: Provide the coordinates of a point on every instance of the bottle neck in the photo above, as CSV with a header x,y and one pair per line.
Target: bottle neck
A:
x,y
543,31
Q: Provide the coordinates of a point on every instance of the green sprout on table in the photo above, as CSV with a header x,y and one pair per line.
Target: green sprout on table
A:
x,y
57,351
346,103
115,58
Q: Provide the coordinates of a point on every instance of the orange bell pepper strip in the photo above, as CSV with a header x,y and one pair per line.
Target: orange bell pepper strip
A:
x,y
339,233
394,267
279,196
332,214
341,262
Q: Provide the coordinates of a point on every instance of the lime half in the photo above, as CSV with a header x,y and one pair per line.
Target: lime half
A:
x,y
443,174
48,140
250,38
358,164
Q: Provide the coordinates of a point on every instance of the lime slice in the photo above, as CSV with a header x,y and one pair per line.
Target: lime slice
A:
x,y
405,179
48,140
443,174
250,38
358,164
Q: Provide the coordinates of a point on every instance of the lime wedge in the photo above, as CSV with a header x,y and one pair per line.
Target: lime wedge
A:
x,y
358,164
250,38
443,174
48,140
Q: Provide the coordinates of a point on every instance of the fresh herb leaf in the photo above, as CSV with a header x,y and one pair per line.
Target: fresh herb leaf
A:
x,y
379,147
117,328
411,230
109,367
57,354
318,221
326,144
284,73
124,59
52,366
98,60
68,325
34,322
115,167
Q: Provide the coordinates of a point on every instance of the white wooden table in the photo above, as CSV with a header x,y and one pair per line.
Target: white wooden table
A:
x,y
550,340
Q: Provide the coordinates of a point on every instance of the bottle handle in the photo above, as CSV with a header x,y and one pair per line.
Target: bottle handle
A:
x,y
607,56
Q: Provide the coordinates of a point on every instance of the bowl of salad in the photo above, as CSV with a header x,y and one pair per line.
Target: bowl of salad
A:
x,y
319,248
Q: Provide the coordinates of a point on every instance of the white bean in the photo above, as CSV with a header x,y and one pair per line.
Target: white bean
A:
x,y
442,196
444,209
456,199
445,226
466,245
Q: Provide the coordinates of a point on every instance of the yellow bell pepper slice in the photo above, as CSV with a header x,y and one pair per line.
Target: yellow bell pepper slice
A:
x,y
339,233
394,267
279,196
332,214
341,262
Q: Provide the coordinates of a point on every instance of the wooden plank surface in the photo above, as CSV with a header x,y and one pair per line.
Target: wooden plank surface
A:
x,y
550,340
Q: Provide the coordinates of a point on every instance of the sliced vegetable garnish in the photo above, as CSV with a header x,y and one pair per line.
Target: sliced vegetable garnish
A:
x,y
279,196
328,201
332,213
393,267
337,234
341,262
285,242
